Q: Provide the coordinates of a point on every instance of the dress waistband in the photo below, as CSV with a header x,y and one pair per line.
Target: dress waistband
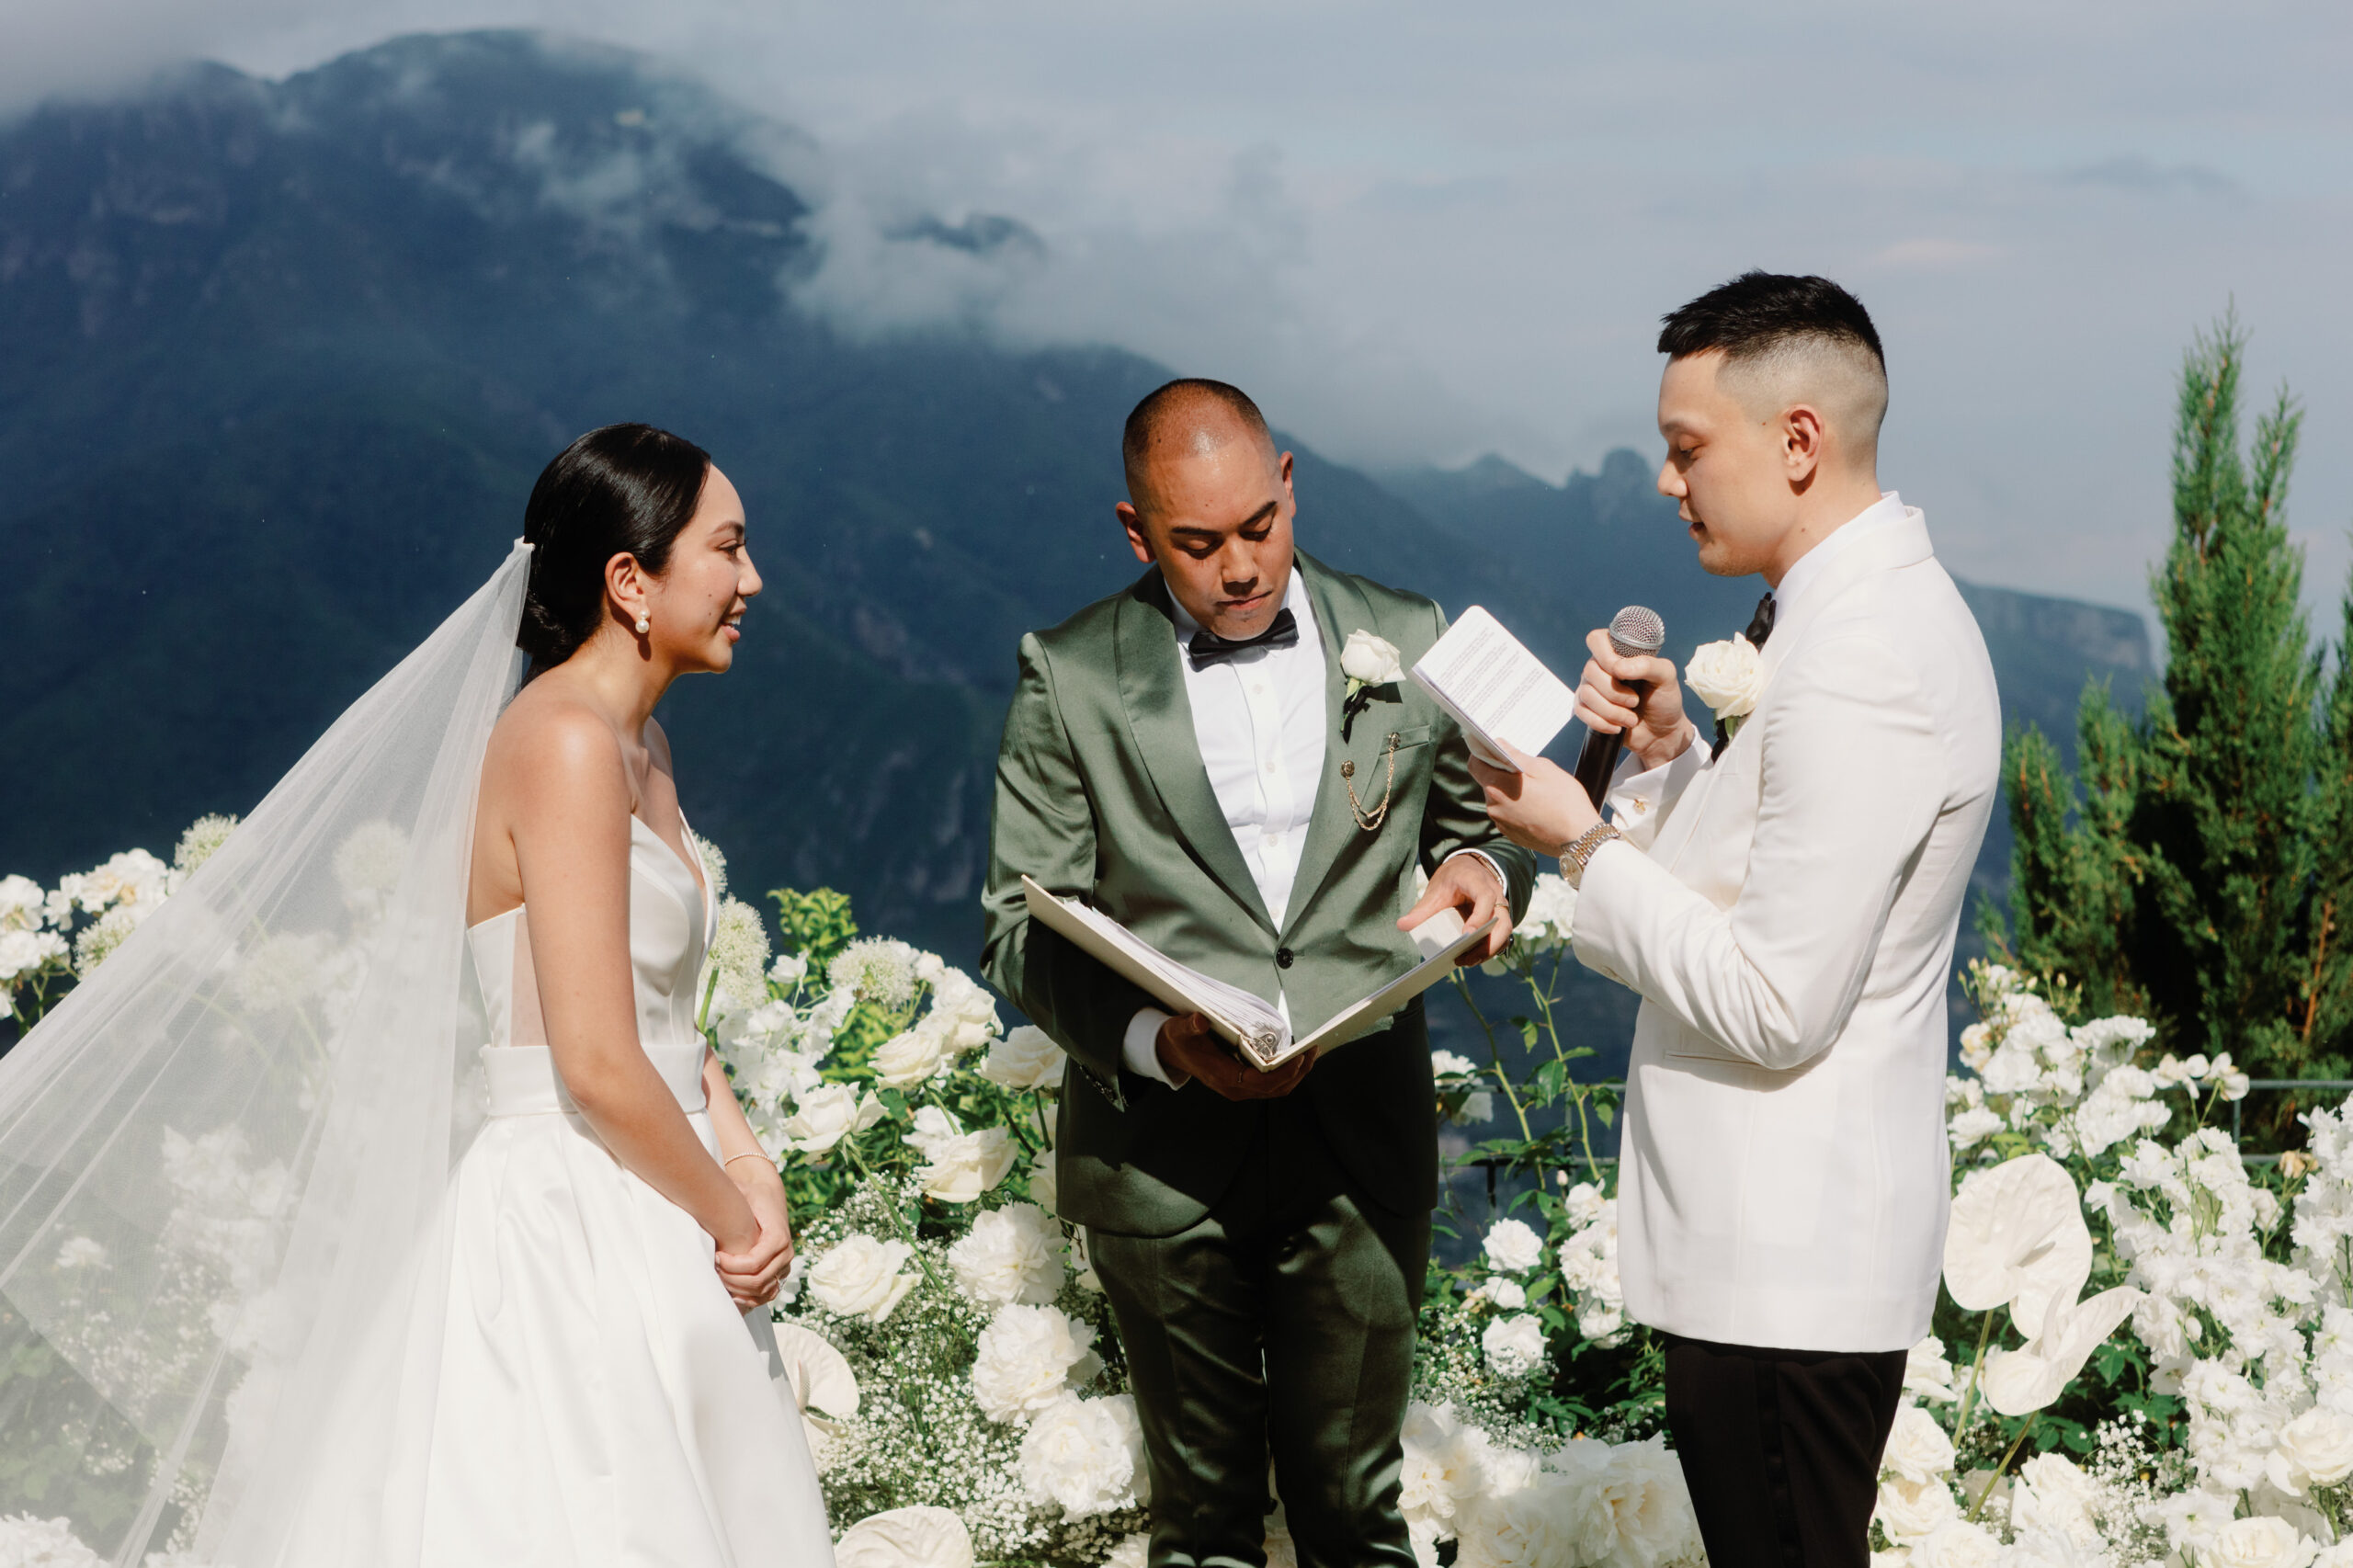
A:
x,y
522,1080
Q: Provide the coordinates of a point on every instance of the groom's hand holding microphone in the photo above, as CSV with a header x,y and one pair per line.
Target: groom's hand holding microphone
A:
x,y
1543,807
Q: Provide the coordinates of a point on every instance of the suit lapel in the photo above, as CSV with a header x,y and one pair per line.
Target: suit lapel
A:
x,y
1339,609
1160,716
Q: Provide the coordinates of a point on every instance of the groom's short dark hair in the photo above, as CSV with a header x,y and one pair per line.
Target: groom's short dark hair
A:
x,y
1165,402
1758,313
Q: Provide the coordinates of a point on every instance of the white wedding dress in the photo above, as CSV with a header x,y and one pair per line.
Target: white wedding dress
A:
x,y
599,1400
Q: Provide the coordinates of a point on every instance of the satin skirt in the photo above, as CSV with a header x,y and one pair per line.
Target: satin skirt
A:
x,y
581,1393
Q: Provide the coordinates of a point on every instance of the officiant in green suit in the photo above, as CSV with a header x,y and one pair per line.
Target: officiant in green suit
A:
x,y
1227,758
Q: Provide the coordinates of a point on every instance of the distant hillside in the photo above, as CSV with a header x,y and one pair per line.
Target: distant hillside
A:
x,y
284,359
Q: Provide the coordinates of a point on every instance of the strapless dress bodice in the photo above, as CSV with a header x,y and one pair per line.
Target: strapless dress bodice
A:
x,y
670,916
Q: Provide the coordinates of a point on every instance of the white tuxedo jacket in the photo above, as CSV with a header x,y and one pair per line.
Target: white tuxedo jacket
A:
x,y
1787,910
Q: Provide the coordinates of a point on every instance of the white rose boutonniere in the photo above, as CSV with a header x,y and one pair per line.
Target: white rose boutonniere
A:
x,y
1729,677
1368,660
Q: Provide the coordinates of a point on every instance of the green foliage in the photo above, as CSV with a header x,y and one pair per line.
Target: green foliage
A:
x,y
2197,869
816,925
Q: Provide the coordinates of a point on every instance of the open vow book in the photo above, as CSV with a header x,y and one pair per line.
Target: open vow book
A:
x,y
1495,688
1256,1027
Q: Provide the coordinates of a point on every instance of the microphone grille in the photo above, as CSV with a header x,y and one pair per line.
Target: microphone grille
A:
x,y
1637,632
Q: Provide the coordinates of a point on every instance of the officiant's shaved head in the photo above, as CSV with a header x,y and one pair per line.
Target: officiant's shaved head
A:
x,y
1189,416
1210,503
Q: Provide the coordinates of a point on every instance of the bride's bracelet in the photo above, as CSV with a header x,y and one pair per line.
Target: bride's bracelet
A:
x,y
748,1155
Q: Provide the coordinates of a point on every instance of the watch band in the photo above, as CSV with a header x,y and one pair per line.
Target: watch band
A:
x,y
1578,853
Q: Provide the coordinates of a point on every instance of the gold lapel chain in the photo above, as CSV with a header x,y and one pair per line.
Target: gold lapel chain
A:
x,y
1372,821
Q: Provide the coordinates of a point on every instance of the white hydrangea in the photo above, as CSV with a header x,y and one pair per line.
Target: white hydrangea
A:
x,y
1085,1455
876,969
1028,1357
1010,1254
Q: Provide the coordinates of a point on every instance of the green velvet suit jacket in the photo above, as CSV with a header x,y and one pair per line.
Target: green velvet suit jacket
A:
x,y
1100,792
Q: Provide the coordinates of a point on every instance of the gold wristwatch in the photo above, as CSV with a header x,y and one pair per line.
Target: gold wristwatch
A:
x,y
1577,854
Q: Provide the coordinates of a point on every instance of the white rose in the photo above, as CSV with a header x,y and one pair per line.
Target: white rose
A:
x,y
829,1113
1513,1247
1505,1294
1085,1455
2259,1542
860,1277
1728,677
1926,1374
1028,1356
1026,1059
1043,1190
2314,1450
1013,1253
1514,1345
1909,1511
21,952
1918,1449
1369,660
960,1168
1641,1486
1957,1543
914,1057
1445,1468
906,1538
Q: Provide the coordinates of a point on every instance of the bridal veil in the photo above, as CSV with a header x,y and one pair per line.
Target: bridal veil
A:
x,y
221,1156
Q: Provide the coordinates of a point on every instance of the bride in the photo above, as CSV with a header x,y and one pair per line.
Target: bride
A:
x,y
353,1258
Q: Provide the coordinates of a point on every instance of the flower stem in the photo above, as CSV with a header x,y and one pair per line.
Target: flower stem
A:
x,y
2024,1432
1969,1396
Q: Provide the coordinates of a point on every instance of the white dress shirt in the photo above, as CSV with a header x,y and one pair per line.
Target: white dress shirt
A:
x,y
1260,721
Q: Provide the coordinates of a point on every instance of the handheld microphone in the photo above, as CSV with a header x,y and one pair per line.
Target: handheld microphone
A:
x,y
1635,633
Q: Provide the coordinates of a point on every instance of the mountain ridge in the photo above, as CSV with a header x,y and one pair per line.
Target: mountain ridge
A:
x,y
289,354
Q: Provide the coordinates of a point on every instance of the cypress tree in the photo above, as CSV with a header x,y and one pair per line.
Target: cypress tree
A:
x,y
2193,871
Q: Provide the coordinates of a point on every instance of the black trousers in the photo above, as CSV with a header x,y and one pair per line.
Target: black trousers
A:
x,y
1782,1449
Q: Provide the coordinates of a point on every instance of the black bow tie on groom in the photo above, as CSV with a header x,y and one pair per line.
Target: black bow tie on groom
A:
x,y
1760,627
1208,648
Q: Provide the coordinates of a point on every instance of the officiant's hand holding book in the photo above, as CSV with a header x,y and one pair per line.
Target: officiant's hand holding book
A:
x,y
1258,1029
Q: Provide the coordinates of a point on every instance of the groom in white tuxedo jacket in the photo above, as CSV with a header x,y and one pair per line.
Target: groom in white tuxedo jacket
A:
x,y
1785,899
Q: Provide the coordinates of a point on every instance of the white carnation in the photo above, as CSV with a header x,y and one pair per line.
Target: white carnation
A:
x,y
1085,1455
1026,1059
1013,1253
1515,1345
860,1277
1027,1359
1513,1247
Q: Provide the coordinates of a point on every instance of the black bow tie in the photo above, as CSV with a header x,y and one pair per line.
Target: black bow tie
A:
x,y
1208,648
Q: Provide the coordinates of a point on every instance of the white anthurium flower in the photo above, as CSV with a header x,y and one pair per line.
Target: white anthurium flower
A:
x,y
1729,677
906,1538
2017,1239
822,1384
2030,1378
1368,660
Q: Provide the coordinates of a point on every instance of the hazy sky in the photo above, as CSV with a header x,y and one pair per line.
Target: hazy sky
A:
x,y
1427,231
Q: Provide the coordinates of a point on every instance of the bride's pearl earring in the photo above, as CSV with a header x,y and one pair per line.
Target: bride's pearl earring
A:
x,y
643,625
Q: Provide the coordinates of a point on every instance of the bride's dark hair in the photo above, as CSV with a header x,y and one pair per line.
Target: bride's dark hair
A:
x,y
622,488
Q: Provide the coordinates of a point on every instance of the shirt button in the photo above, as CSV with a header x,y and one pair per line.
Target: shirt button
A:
x,y
1282,957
